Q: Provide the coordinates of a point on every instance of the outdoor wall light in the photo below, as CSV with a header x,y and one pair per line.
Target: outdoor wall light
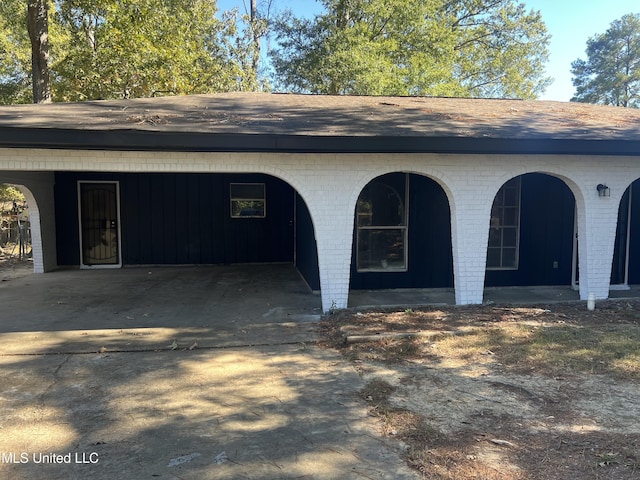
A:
x,y
603,190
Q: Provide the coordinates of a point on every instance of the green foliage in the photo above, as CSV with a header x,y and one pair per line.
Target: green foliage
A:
x,y
245,49
481,48
611,73
15,53
103,49
121,49
10,193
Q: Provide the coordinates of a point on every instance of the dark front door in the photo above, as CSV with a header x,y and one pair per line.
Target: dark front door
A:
x,y
99,224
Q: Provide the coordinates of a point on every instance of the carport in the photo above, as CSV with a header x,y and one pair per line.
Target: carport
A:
x,y
149,308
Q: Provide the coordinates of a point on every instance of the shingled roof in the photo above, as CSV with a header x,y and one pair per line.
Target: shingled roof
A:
x,y
263,121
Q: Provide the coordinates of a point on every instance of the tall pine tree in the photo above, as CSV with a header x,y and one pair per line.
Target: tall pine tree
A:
x,y
611,73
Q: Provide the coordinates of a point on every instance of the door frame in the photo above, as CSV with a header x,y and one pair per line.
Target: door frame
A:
x,y
627,246
118,264
575,271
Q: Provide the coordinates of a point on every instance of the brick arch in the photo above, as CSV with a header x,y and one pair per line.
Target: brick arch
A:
x,y
561,174
34,221
435,174
531,241
425,237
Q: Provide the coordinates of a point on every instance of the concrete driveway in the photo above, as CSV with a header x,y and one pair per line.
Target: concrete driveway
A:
x,y
276,412
178,373
147,309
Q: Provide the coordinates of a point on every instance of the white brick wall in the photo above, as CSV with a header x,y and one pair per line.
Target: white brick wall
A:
x,y
330,185
38,190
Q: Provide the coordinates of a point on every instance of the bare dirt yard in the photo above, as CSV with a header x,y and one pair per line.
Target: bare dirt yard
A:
x,y
497,392
12,267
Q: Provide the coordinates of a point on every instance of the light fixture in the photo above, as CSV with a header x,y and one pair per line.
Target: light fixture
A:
x,y
603,190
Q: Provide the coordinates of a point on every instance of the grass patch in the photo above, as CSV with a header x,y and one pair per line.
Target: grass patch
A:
x,y
553,350
525,340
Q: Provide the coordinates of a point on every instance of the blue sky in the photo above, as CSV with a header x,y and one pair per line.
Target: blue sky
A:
x,y
570,23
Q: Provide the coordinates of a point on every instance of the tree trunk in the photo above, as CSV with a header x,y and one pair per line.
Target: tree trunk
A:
x,y
38,28
342,14
256,36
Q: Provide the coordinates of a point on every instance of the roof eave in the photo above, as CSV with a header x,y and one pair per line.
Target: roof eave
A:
x,y
145,140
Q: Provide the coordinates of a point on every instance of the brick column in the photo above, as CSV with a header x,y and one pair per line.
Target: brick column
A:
x,y
596,238
329,194
469,236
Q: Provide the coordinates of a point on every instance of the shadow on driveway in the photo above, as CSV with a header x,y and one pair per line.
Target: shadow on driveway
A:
x,y
190,373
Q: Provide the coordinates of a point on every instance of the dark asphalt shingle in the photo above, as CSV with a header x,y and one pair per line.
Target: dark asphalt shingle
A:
x,y
313,115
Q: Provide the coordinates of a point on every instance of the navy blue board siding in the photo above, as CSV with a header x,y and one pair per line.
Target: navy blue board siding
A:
x,y
306,249
634,233
185,219
547,211
632,229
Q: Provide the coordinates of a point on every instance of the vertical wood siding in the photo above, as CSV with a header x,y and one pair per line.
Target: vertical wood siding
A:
x,y
546,235
183,219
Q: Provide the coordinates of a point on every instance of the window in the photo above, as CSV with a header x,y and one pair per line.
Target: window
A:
x,y
382,225
504,229
248,200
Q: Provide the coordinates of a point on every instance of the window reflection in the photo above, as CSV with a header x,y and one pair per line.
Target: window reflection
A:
x,y
382,224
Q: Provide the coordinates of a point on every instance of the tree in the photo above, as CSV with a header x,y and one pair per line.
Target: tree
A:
x,y
38,28
100,49
481,48
24,51
10,193
251,28
120,49
611,73
15,53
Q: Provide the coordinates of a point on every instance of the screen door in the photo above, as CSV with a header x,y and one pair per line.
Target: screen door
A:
x,y
99,224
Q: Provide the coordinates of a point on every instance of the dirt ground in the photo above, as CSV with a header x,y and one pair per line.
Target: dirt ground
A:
x,y
12,267
496,392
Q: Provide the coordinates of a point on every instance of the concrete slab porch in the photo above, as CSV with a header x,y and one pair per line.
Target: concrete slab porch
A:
x,y
530,295
446,296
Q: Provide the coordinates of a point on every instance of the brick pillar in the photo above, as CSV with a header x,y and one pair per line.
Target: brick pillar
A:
x,y
469,236
596,237
332,206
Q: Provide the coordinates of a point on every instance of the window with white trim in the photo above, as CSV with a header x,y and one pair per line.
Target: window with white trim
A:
x,y
504,229
381,216
248,200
